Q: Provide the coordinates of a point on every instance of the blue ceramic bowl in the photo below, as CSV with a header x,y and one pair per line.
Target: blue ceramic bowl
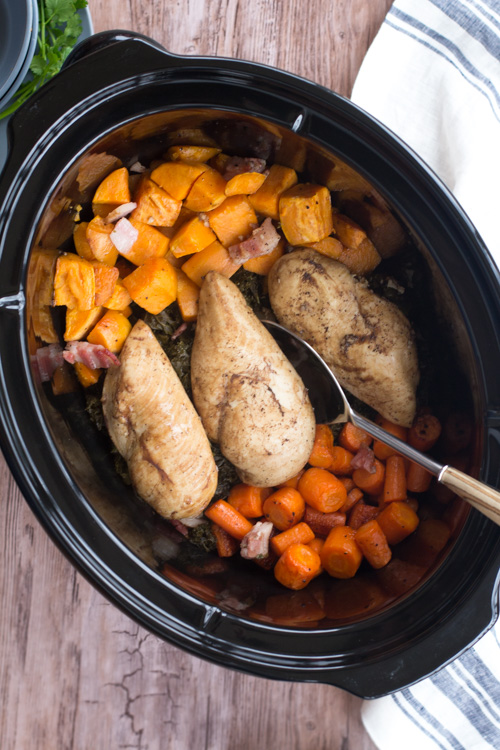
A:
x,y
18,39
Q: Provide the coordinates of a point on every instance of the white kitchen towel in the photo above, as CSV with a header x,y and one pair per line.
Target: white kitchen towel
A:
x,y
432,75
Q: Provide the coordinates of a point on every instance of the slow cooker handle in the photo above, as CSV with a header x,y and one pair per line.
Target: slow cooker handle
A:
x,y
105,39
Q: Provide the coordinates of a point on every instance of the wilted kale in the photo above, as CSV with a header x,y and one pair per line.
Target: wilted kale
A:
x,y
202,536
178,350
250,285
227,473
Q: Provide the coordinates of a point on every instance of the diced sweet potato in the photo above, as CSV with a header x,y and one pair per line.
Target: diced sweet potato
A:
x,y
63,380
85,375
153,285
40,293
305,213
150,243
233,221
329,246
74,283
192,237
82,246
177,177
114,189
361,259
265,201
80,322
349,233
208,191
188,294
98,237
246,183
111,331
120,298
154,205
105,280
263,264
215,257
191,153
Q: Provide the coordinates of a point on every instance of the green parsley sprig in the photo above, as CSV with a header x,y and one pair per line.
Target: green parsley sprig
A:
x,y
58,30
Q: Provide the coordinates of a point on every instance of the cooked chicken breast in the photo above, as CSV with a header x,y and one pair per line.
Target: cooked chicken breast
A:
x,y
365,340
249,397
155,427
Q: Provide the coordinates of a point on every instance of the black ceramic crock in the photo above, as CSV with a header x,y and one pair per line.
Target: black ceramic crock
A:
x,y
119,88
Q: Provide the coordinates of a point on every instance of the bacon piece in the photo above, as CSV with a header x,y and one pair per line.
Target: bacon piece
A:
x,y
179,331
46,361
364,459
91,355
255,544
124,235
119,212
180,527
262,241
239,165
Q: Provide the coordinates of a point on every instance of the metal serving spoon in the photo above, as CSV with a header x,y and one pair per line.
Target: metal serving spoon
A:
x,y
331,406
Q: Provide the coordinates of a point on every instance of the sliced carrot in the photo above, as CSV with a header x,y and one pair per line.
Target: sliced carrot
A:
x,y
248,500
341,460
373,543
316,544
227,545
299,534
413,503
322,490
284,508
395,479
397,521
353,497
348,483
362,513
229,519
418,479
382,450
352,438
322,523
297,566
293,481
424,432
370,483
322,452
341,556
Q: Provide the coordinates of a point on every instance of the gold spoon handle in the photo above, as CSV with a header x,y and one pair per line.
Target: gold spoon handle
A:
x,y
479,495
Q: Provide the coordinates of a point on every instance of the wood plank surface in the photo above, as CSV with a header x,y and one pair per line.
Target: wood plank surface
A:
x,y
77,673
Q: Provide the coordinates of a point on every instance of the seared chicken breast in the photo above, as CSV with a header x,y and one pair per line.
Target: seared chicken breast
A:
x,y
155,427
366,340
250,399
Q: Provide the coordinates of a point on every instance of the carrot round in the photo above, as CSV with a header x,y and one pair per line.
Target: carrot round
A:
x,y
321,454
424,432
341,556
284,508
248,500
299,534
397,521
321,490
361,513
418,479
341,460
370,483
227,545
395,479
293,481
382,450
348,483
297,566
373,543
321,523
352,438
353,497
229,519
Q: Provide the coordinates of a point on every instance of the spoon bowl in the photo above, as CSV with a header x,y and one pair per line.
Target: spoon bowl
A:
x,y
332,407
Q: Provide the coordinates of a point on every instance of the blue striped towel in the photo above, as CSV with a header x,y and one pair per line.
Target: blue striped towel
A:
x,y
432,75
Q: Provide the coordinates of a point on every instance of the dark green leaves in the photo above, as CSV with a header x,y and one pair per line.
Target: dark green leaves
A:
x,y
59,29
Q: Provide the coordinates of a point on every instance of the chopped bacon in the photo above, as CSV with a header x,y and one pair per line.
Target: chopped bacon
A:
x,y
255,544
91,355
124,235
46,361
239,165
262,241
179,331
181,527
119,212
364,459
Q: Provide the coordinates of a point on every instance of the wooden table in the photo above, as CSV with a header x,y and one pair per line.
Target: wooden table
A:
x,y
77,673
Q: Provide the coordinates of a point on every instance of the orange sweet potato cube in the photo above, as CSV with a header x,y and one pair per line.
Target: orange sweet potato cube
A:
x,y
98,237
154,205
82,246
74,282
306,213
207,192
105,280
177,177
80,322
263,263
215,257
120,298
153,286
85,375
265,200
349,233
233,221
192,237
150,243
111,331
191,153
245,183
114,189
329,246
188,294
